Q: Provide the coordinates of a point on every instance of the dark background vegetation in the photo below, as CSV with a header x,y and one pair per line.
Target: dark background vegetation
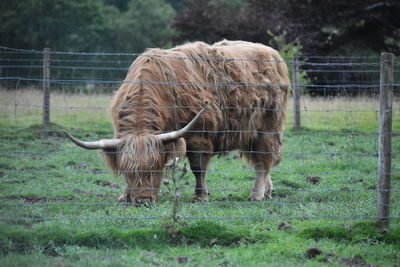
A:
x,y
361,29
340,27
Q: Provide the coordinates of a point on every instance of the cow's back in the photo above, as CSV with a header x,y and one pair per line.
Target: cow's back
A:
x,y
259,101
238,83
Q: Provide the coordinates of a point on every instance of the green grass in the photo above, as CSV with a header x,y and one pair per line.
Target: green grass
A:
x,y
58,202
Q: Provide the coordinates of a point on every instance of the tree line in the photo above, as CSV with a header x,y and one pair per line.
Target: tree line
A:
x,y
318,26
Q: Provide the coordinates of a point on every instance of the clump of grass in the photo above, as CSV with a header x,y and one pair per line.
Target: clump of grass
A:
x,y
282,192
291,184
6,166
15,240
20,239
208,233
360,232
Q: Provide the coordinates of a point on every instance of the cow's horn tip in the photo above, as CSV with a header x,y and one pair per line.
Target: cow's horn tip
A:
x,y
66,133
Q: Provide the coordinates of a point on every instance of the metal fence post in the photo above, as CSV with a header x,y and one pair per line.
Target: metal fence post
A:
x,y
46,87
385,137
296,94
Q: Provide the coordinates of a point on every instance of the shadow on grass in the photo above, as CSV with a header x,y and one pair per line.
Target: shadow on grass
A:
x,y
368,232
51,236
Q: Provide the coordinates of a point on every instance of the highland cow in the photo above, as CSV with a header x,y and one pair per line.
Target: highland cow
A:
x,y
197,100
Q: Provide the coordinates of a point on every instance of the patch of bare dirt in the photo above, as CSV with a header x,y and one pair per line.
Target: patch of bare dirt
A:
x,y
327,258
314,180
284,226
356,261
23,145
106,183
80,165
36,199
182,259
80,191
312,253
97,171
14,181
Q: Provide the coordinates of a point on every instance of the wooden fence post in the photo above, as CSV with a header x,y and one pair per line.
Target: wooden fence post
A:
x,y
385,138
46,87
296,94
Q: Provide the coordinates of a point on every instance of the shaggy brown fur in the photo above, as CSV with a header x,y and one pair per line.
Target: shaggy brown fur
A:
x,y
245,116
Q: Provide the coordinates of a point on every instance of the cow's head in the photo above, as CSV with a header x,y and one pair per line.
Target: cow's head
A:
x,y
141,159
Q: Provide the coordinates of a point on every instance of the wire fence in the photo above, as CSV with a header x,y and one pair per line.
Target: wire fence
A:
x,y
329,168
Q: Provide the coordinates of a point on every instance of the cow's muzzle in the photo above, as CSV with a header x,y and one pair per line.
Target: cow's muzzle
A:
x,y
143,201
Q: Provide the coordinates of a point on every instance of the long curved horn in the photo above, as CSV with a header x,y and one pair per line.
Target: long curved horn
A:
x,y
101,144
166,137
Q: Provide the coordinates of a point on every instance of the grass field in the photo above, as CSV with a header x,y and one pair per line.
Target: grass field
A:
x,y
58,202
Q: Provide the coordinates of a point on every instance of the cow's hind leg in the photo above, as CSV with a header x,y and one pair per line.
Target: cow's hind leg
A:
x,y
263,162
260,185
268,186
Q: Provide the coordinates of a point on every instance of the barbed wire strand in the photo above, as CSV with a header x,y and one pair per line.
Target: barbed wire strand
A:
x,y
49,203
83,218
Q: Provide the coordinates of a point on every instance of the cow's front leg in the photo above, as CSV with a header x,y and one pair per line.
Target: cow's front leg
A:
x,y
199,160
123,197
199,164
259,186
201,189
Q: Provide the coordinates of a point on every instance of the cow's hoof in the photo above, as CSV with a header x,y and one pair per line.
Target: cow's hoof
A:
x,y
254,197
124,198
268,196
143,202
200,198
268,193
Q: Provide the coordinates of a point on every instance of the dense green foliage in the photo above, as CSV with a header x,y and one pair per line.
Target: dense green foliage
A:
x,y
317,27
144,24
321,27
73,25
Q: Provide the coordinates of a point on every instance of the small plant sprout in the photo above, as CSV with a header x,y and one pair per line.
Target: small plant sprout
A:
x,y
177,180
